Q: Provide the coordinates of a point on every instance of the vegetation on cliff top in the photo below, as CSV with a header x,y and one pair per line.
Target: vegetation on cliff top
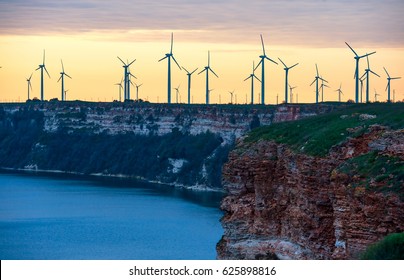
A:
x,y
316,135
24,144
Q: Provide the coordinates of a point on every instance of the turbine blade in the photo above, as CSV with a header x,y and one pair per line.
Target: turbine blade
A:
x,y
201,71
43,62
208,58
352,49
293,66
68,76
213,72
30,85
130,74
271,60
185,69
30,76
367,58
317,70
386,72
388,83
248,78
38,68
313,82
63,68
163,58
176,62
46,72
172,42
131,62
374,73
121,60
282,62
59,78
257,78
262,42
396,78
258,64
362,76
193,71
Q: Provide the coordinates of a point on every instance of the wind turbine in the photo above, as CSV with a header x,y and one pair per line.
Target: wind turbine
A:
x,y
29,84
137,91
126,77
231,96
286,78
169,56
388,84
316,80
189,83
339,93
291,93
262,62
66,93
42,67
120,88
322,89
207,69
252,76
376,95
177,91
367,79
62,74
357,58
129,83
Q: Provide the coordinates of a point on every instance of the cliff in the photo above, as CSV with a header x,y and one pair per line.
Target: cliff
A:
x,y
296,201
176,144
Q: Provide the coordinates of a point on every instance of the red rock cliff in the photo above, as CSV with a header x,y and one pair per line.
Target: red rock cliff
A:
x,y
286,205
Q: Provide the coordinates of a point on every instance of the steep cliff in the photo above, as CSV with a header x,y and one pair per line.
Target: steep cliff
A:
x,y
176,144
292,201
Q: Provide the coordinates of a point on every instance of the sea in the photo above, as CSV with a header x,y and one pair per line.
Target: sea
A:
x,y
85,218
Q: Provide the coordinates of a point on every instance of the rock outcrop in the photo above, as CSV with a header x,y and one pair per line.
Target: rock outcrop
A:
x,y
288,205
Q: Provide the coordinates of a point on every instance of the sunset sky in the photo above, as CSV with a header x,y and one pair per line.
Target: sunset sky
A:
x,y
89,35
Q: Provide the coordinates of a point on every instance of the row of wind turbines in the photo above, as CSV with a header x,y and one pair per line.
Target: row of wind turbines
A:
x,y
207,69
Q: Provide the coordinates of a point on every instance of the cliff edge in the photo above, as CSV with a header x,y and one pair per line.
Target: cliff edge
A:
x,y
321,188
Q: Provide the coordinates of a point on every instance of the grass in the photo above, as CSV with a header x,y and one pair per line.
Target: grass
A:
x,y
378,173
316,135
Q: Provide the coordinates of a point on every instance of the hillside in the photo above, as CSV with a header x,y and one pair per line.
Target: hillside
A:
x,y
324,187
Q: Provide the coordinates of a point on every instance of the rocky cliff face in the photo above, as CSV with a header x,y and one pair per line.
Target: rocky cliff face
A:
x,y
287,205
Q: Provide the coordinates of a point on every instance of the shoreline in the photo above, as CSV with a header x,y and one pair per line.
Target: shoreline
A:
x,y
200,188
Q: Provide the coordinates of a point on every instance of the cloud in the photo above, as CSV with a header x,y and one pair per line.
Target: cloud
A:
x,y
296,22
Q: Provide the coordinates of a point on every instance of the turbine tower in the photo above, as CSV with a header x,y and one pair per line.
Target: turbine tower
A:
x,y
137,91
169,56
231,96
42,67
262,62
357,58
316,80
388,84
367,79
189,83
252,76
62,74
291,93
126,77
207,69
120,88
29,84
339,93
286,78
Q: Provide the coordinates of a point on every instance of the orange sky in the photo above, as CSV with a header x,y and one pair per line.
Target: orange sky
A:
x,y
89,51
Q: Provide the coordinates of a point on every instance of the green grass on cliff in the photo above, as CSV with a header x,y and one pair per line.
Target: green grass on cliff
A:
x,y
316,135
374,172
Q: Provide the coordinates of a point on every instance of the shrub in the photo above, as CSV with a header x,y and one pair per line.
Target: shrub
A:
x,y
389,248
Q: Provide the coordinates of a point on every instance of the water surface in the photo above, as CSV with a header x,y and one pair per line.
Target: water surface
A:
x,y
60,218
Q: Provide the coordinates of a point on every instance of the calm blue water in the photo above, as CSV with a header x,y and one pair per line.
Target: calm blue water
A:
x,y
60,218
